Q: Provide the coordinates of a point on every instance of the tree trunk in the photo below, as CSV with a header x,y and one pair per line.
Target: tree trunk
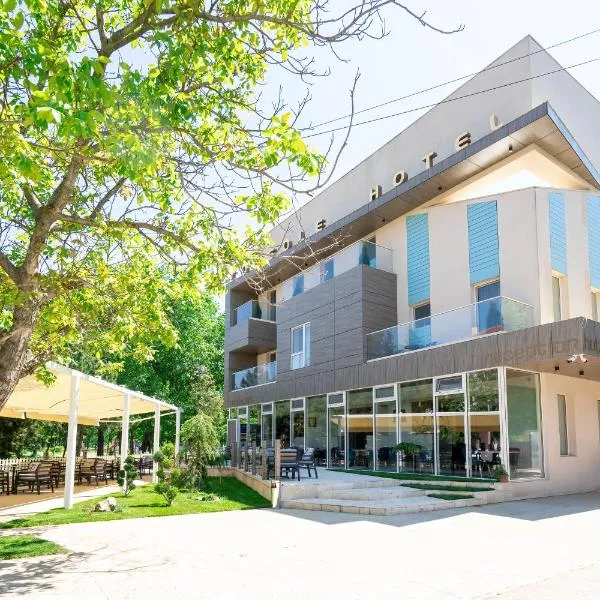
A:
x,y
79,440
13,350
100,444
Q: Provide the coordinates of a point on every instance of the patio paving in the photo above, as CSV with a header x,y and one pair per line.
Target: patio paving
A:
x,y
517,550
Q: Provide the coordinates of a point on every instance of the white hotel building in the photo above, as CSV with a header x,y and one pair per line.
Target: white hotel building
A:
x,y
443,293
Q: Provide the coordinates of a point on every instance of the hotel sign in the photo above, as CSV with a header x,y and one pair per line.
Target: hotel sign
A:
x,y
462,141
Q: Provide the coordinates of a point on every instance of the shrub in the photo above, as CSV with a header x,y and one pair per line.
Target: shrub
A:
x,y
201,440
169,476
127,475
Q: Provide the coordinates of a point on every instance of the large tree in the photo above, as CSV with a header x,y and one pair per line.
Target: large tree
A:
x,y
131,132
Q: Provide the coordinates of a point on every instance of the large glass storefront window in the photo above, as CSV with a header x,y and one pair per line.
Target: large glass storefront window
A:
x,y
337,435
254,425
267,426
282,422
297,419
315,427
385,429
525,449
417,450
484,422
360,429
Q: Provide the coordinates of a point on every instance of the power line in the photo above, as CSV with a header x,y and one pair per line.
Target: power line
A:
x,y
447,100
455,80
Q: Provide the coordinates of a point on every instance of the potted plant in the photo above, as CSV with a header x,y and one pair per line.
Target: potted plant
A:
x,y
500,473
408,450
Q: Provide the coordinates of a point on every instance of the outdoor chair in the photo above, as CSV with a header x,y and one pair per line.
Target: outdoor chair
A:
x,y
145,465
308,462
289,462
4,482
93,468
37,473
55,471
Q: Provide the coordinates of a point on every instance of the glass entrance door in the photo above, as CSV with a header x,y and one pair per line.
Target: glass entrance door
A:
x,y
451,440
297,424
336,436
266,430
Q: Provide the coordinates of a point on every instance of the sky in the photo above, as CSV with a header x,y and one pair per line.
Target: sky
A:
x,y
412,57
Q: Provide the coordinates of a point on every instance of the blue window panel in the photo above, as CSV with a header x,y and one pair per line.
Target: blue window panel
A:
x,y
594,239
417,253
558,232
484,255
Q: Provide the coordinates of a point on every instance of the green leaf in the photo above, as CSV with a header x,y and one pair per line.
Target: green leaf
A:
x,y
48,114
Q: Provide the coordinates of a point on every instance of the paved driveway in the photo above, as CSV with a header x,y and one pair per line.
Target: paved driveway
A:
x,y
543,549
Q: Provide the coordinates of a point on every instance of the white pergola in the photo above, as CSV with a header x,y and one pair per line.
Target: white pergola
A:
x,y
76,398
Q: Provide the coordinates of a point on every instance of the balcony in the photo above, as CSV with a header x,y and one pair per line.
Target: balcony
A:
x,y
254,376
253,309
474,320
360,253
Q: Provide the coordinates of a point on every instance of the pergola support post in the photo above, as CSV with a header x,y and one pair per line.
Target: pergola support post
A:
x,y
177,431
156,440
72,441
125,429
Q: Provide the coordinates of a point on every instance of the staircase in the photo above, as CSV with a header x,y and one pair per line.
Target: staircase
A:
x,y
369,495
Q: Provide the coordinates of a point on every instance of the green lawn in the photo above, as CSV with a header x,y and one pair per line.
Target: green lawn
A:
x,y
447,488
23,546
145,502
451,496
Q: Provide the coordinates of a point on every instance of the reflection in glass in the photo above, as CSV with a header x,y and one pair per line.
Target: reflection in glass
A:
x,y
337,442
315,427
267,430
451,403
298,429
416,396
483,391
385,435
360,429
451,445
524,424
254,425
416,436
282,422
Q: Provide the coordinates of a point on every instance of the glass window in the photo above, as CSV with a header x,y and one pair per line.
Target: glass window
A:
x,y
524,424
300,348
254,424
416,444
483,391
267,429
282,422
556,301
485,443
385,392
337,436
416,396
449,385
422,311
315,427
451,403
368,253
360,402
298,429
298,285
327,270
489,308
563,433
452,449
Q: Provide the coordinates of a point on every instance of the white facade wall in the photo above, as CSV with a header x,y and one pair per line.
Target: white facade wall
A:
x,y
580,471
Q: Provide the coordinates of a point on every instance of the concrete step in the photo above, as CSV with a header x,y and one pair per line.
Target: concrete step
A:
x,y
380,507
372,493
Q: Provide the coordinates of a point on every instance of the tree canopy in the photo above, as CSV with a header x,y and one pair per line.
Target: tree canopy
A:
x,y
133,134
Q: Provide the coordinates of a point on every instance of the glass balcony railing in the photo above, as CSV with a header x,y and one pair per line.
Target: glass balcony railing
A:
x,y
482,318
360,253
254,376
253,309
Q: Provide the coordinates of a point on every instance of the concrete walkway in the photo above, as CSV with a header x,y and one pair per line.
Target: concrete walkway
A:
x,y
532,549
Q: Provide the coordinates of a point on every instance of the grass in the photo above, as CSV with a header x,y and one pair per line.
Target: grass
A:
x,y
413,476
25,546
145,502
447,488
451,497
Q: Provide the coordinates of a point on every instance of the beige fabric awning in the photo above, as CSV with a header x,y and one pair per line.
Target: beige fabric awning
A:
x,y
98,399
